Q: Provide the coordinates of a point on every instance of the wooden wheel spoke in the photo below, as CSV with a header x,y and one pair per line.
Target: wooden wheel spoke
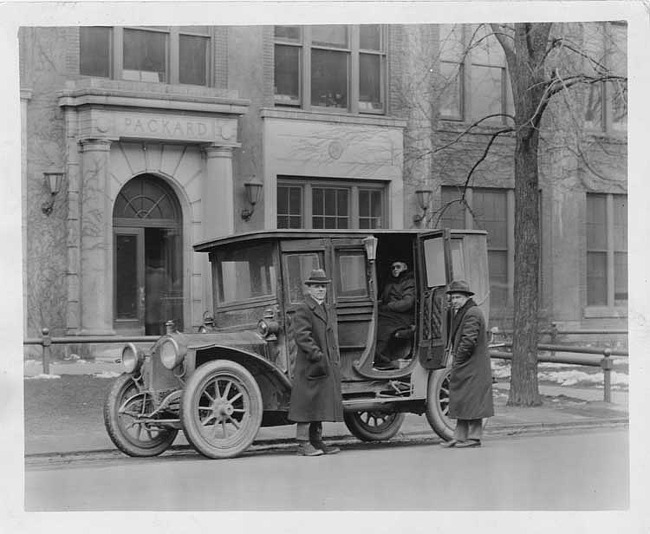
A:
x,y
233,422
208,420
227,390
236,397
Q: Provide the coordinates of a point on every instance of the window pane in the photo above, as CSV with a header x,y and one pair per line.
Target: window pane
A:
x,y
192,54
594,107
486,96
450,92
352,275
95,51
290,33
145,56
298,267
596,222
620,278
289,207
454,214
490,209
498,268
370,209
330,35
245,273
485,48
597,278
329,78
370,37
287,74
369,82
451,42
330,208
620,222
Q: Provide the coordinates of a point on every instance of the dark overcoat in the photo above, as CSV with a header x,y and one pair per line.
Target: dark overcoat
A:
x,y
470,386
316,392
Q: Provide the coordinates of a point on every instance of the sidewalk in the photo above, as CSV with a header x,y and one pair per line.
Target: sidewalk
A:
x,y
82,428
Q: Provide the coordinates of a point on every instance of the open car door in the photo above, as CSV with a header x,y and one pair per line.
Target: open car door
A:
x,y
436,272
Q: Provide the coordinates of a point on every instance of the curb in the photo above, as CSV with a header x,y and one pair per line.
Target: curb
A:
x,y
280,444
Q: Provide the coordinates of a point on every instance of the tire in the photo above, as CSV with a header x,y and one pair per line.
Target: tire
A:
x,y
221,409
124,402
373,426
437,408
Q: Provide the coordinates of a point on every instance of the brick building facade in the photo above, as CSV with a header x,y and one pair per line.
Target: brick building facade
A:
x,y
158,133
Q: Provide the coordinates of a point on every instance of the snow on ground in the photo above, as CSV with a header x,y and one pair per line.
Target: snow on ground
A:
x,y
106,374
565,374
42,376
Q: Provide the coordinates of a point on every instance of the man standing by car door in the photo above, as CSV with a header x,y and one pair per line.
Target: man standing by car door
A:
x,y
470,384
316,392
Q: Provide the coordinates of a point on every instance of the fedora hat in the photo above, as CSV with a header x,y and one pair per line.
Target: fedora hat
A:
x,y
460,286
317,276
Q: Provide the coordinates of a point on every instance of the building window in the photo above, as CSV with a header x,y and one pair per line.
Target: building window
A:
x,y
606,102
491,210
329,204
473,75
330,67
177,55
606,250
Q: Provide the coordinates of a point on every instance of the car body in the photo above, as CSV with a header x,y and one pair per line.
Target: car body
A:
x,y
221,384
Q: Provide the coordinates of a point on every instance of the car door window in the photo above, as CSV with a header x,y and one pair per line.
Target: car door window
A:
x,y
351,280
297,269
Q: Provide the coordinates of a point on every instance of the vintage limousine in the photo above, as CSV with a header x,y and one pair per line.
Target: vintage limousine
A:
x,y
221,384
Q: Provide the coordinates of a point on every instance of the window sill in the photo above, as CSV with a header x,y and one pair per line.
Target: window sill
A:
x,y
342,117
605,312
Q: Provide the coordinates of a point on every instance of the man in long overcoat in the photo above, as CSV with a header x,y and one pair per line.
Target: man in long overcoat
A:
x,y
316,391
470,385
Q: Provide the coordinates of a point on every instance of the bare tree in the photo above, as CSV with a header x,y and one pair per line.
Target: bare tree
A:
x,y
544,61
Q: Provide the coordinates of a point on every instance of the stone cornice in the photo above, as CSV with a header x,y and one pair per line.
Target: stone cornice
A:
x,y
125,95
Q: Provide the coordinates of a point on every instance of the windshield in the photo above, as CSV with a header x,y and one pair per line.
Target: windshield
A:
x,y
243,274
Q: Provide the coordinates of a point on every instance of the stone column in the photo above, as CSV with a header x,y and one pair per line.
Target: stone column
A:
x,y
96,239
218,209
218,193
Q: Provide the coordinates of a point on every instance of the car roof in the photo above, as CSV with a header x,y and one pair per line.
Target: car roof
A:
x,y
288,234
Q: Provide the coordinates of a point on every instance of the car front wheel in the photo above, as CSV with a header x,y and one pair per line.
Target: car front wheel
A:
x,y
221,409
126,417
373,425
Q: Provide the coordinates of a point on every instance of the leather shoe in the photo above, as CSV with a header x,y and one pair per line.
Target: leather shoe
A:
x,y
469,443
449,444
327,449
307,449
386,366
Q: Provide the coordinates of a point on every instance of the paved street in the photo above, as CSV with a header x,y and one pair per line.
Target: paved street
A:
x,y
558,471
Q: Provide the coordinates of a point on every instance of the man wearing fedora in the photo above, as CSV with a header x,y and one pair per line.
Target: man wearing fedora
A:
x,y
316,392
470,384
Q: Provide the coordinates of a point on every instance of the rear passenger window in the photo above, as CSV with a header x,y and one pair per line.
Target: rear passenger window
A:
x,y
351,280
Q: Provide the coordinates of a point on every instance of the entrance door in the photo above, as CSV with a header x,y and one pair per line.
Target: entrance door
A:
x,y
129,286
148,261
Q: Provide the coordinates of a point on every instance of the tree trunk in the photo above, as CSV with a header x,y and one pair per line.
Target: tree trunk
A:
x,y
523,382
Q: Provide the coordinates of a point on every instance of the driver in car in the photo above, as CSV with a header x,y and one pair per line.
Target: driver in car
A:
x,y
395,312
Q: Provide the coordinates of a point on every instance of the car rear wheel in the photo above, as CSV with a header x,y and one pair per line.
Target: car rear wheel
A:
x,y
373,426
125,411
437,410
221,409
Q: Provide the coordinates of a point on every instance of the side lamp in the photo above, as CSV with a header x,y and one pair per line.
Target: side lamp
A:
x,y
253,191
424,199
370,244
53,181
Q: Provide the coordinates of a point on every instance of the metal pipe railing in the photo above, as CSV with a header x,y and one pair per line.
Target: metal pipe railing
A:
x,y
46,341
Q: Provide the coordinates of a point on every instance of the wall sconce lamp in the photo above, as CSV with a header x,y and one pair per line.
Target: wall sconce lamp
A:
x,y
424,198
53,181
253,192
370,244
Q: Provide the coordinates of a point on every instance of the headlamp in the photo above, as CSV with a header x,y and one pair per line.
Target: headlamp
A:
x,y
131,358
170,353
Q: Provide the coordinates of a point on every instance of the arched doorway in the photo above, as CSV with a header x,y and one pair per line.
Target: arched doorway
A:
x,y
148,257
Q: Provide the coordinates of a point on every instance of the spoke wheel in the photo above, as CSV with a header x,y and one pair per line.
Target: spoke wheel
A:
x,y
437,410
373,426
221,409
124,409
